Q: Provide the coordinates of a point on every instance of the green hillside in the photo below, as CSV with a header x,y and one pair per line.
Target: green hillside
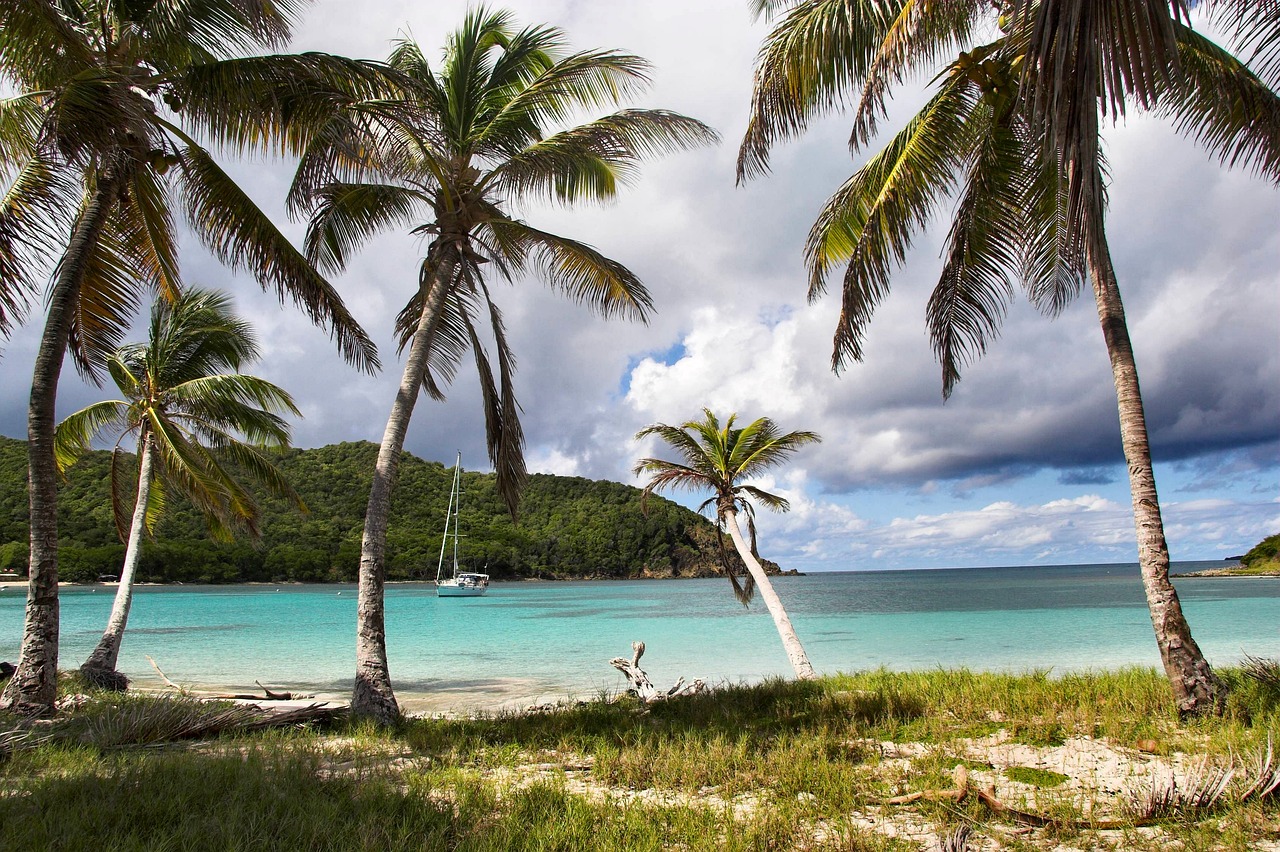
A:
x,y
569,528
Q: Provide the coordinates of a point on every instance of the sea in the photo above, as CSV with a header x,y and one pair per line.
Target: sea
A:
x,y
542,642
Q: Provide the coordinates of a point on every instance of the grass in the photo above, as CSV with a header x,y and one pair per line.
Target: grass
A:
x,y
778,765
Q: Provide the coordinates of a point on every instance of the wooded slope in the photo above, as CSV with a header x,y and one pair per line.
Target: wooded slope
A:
x,y
569,528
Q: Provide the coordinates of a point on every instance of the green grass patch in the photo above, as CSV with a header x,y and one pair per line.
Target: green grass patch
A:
x,y
1035,776
776,765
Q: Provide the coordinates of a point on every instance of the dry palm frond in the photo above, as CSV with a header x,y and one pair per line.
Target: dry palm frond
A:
x,y
1202,790
958,840
1266,774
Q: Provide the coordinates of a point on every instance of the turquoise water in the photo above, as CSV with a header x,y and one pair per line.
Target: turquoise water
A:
x,y
543,641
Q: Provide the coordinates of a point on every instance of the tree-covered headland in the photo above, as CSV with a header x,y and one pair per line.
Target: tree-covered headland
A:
x,y
568,528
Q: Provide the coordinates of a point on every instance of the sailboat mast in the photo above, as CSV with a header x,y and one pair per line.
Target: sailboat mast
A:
x,y
451,517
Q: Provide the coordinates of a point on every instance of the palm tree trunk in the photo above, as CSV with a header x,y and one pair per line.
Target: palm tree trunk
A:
x,y
372,696
103,659
1196,689
33,689
790,642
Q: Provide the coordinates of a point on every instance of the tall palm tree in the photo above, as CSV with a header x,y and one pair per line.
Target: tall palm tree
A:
x,y
722,459
187,413
99,154
477,136
1014,130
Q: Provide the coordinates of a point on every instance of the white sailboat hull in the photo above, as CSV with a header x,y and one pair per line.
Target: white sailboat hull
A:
x,y
464,585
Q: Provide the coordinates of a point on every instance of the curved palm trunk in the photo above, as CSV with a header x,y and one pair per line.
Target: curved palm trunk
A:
x,y
372,696
1196,689
104,656
790,642
33,689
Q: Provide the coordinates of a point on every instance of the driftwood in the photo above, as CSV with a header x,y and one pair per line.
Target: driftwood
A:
x,y
640,685
267,694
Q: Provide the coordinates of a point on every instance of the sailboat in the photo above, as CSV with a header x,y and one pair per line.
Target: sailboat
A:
x,y
459,584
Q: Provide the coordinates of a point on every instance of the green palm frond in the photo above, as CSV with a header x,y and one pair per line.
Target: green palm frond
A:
x,y
156,245
75,434
1254,31
1218,101
346,215
982,250
806,67
241,235
281,101
872,218
504,435
109,298
36,211
921,35
582,273
218,27
582,81
589,161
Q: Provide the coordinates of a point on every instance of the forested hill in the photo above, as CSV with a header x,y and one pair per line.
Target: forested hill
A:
x,y
569,528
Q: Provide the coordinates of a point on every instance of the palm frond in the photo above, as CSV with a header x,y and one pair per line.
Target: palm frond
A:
x,y
347,215
35,215
278,103
74,435
581,272
241,235
1224,106
973,294
503,432
872,218
1254,31
808,64
591,160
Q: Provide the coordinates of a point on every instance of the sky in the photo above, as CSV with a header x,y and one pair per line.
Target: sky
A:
x,y
1021,466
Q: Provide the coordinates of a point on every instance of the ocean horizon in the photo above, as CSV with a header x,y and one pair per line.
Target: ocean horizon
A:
x,y
531,642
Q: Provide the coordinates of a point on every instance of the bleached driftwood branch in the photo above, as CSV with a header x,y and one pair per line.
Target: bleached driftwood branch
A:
x,y
640,685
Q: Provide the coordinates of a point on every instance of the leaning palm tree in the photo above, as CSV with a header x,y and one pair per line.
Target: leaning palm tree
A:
x,y
477,136
192,413
721,459
99,154
1014,130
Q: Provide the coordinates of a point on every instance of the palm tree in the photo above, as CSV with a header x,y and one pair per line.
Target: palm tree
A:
x,y
186,411
722,459
99,153
1013,129
474,138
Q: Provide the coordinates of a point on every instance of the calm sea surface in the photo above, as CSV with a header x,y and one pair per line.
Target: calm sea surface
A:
x,y
543,641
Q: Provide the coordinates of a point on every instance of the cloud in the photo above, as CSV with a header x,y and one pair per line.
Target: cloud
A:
x,y
900,473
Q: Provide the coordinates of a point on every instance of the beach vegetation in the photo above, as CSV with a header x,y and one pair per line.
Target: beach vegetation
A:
x,y
450,158
102,148
1263,556
779,764
191,412
1012,130
724,460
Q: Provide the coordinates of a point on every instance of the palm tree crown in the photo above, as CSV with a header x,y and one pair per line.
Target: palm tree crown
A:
x,y
185,396
474,138
721,459
112,97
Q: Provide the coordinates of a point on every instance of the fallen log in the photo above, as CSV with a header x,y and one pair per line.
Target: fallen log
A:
x,y
640,685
